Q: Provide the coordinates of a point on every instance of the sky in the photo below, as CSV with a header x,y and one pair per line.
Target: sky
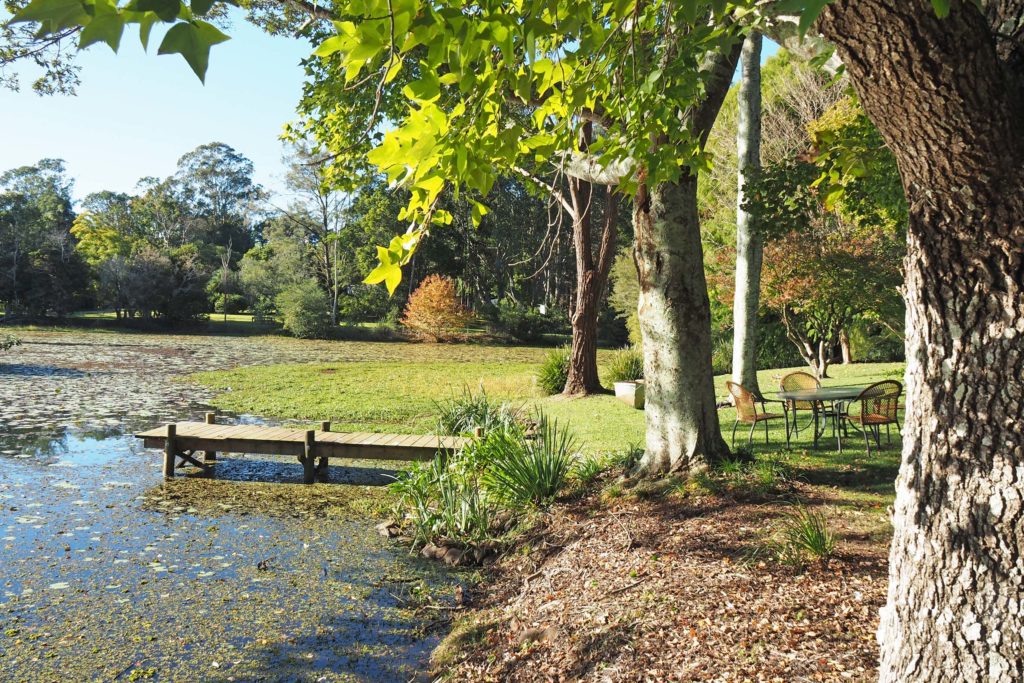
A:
x,y
135,114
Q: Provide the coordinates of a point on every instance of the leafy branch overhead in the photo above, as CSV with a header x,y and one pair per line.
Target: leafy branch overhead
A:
x,y
102,21
485,88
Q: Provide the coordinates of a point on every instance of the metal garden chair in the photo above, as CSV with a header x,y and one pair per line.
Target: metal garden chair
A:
x,y
747,412
877,405
795,381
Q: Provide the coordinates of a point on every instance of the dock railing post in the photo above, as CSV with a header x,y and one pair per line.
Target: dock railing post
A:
x,y
210,456
170,450
308,465
325,426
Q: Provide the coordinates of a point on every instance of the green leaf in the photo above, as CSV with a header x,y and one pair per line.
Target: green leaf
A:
x,y
331,45
425,89
167,10
192,41
201,7
145,26
941,8
389,271
55,15
810,13
689,8
479,211
105,28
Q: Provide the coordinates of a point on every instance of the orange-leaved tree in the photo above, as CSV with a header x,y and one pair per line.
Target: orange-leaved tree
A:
x,y
434,312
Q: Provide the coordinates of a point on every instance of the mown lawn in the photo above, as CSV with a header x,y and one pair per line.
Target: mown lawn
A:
x,y
395,386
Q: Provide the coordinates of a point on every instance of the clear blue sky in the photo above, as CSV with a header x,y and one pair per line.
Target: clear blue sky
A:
x,y
135,113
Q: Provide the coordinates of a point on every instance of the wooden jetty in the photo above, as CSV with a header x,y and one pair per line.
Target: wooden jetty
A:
x,y
314,448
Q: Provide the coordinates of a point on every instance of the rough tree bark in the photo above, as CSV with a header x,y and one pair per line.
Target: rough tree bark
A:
x,y
674,309
947,96
591,277
749,246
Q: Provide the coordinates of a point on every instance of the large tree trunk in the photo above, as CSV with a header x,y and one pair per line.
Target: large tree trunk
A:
x,y
946,95
591,276
674,309
749,246
675,320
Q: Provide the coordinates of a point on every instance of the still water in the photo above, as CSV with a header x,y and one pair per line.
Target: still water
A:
x,y
109,573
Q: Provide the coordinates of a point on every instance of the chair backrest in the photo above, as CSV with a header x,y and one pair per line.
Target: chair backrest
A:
x,y
746,408
797,380
881,398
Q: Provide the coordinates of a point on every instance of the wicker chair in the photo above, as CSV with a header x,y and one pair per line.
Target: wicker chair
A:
x,y
747,412
796,381
877,405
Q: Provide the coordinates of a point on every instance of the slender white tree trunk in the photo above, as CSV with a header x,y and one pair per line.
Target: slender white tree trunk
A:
x,y
749,246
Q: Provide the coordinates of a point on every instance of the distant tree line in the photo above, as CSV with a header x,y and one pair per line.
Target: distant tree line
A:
x,y
208,240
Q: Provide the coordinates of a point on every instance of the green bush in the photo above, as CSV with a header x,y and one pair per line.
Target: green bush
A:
x,y
626,365
522,323
554,371
305,310
522,470
464,414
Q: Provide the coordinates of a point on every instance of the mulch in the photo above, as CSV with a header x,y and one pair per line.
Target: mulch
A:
x,y
667,590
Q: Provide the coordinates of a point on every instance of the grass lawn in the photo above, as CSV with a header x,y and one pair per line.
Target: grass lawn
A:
x,y
394,386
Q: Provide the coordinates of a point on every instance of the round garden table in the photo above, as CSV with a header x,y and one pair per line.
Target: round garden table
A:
x,y
818,398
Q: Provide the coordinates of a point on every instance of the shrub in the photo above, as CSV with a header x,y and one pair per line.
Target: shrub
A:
x,y
434,312
520,470
305,310
8,342
464,414
522,323
804,537
587,469
554,371
626,365
443,500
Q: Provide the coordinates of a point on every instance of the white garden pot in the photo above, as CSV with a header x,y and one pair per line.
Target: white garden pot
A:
x,y
631,393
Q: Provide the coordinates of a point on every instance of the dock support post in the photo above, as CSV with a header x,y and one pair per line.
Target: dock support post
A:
x,y
325,426
210,456
308,464
170,450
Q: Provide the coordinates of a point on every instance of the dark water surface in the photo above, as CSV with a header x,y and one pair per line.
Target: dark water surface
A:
x,y
109,573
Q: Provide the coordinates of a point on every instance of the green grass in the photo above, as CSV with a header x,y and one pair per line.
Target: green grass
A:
x,y
393,387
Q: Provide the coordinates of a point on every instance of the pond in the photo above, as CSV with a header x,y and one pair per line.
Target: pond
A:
x,y
109,573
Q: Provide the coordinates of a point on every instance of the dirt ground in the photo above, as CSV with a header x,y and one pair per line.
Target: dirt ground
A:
x,y
672,590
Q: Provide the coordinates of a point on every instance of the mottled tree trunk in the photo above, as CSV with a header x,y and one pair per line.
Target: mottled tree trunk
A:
x,y
749,246
946,95
675,320
674,309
